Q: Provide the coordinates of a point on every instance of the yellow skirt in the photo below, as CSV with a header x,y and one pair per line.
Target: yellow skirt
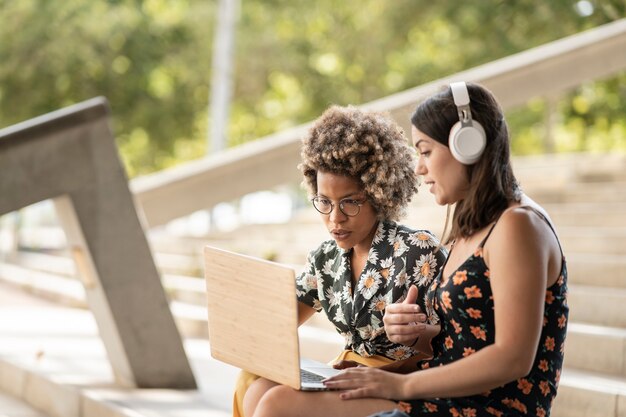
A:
x,y
245,378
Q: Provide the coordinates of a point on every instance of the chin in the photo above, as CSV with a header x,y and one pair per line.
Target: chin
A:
x,y
440,200
344,245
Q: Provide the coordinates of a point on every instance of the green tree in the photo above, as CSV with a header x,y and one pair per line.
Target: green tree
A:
x,y
136,53
152,60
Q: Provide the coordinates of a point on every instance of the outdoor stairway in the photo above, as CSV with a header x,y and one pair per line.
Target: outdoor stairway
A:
x,y
583,194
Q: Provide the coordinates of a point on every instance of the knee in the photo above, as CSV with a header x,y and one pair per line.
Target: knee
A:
x,y
253,395
279,401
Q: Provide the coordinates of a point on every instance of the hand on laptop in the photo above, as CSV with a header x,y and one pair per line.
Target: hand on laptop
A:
x,y
343,364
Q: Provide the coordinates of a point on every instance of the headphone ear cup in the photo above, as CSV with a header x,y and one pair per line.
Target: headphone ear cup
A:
x,y
467,143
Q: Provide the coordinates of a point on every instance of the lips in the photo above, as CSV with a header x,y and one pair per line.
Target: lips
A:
x,y
339,234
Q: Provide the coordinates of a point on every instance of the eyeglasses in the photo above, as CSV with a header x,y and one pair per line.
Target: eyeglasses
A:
x,y
348,206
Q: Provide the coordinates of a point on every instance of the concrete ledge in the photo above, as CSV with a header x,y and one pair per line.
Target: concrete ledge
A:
x,y
67,291
53,359
589,242
147,403
578,402
597,305
600,270
586,394
596,349
14,407
58,398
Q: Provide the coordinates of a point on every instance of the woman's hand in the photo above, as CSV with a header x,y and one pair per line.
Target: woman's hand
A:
x,y
366,382
405,322
343,364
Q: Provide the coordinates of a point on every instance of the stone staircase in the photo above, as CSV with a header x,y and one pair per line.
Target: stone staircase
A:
x,y
584,194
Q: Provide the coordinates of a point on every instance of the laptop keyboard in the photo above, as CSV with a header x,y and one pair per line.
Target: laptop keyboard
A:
x,y
306,376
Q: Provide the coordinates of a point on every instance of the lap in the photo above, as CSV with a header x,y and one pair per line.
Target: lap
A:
x,y
282,401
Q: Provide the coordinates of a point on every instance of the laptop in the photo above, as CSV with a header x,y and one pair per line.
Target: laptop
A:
x,y
253,319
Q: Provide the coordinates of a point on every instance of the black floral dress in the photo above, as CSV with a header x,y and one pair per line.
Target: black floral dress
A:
x,y
463,304
398,258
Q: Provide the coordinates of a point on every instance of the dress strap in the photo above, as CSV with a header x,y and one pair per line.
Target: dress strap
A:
x,y
482,242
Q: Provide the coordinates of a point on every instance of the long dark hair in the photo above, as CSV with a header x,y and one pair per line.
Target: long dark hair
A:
x,y
492,183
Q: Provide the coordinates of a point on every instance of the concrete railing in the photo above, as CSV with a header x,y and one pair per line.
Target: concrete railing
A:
x,y
70,157
271,161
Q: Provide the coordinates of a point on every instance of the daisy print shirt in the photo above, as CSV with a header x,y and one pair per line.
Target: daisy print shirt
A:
x,y
398,258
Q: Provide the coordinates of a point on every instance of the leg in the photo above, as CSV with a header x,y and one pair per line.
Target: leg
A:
x,y
253,395
244,380
282,401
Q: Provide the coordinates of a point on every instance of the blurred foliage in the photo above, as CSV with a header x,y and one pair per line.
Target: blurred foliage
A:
x,y
152,60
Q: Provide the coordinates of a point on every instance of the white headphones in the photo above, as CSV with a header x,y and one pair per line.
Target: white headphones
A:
x,y
467,137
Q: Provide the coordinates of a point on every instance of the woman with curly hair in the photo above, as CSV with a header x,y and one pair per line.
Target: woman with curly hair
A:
x,y
359,171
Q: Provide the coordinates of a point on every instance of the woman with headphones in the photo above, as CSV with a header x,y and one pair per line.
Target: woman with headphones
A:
x,y
498,308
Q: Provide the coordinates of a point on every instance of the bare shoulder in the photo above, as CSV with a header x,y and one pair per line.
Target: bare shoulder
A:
x,y
523,241
521,231
520,224
526,216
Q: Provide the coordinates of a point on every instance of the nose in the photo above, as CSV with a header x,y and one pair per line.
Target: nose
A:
x,y
420,168
336,216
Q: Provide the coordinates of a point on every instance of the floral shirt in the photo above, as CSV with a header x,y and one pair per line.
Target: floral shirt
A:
x,y
398,258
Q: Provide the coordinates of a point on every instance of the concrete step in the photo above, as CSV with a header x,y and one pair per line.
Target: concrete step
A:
x,y
590,303
597,305
58,263
273,243
62,264
589,394
595,317
588,214
175,264
601,222
55,371
277,241
600,270
605,271
578,192
180,272
596,301
52,358
593,240
571,167
50,286
585,214
190,290
188,304
320,341
589,381
14,407
596,349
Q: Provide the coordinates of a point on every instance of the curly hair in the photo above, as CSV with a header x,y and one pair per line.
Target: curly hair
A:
x,y
368,147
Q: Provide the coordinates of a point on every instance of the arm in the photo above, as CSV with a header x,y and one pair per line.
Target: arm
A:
x,y
304,312
306,289
518,274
